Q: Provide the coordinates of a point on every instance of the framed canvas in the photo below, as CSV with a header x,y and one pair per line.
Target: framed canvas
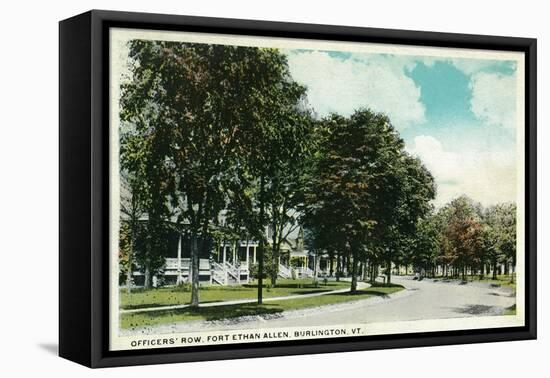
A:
x,y
234,188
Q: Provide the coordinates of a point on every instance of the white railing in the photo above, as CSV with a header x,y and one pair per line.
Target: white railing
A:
x,y
204,264
219,274
304,272
172,263
233,271
284,271
243,267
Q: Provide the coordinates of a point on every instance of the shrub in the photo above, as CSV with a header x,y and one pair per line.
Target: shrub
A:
x,y
184,287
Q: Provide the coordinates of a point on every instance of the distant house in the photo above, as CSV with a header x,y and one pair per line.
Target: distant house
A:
x,y
229,262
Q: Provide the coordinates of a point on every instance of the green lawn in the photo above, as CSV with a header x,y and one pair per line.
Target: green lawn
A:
x,y
181,295
510,310
131,320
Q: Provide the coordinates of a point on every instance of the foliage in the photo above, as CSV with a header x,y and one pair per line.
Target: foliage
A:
x,y
218,142
365,192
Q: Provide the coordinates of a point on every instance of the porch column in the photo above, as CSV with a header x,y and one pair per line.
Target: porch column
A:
x,y
179,279
225,277
254,259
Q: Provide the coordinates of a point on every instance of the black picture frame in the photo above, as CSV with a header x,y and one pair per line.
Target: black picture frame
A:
x,y
84,187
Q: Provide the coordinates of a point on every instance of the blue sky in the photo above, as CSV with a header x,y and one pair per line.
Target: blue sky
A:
x,y
457,115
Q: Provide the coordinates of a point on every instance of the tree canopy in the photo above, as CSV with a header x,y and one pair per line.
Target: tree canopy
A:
x,y
220,142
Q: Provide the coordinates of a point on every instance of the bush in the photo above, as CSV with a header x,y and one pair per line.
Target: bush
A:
x,y
183,286
253,269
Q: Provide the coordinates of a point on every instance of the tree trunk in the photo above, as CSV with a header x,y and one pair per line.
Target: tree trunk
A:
x,y
195,259
147,279
481,271
315,267
388,271
261,243
343,265
494,270
374,273
129,274
371,272
354,275
365,270
130,259
331,273
274,257
338,266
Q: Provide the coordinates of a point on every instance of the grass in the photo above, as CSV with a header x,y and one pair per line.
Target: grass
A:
x,y
510,310
131,320
501,280
168,296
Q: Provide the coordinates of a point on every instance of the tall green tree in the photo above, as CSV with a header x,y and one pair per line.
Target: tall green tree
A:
x,y
426,244
341,197
500,221
276,145
132,207
222,115
402,201
144,146
290,151
366,191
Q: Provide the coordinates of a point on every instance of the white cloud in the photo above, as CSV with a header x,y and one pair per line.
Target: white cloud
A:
x,y
486,176
472,66
342,86
494,98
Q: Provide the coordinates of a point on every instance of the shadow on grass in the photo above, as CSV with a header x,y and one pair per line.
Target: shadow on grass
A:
x,y
379,284
148,305
226,288
475,309
311,285
144,305
303,292
218,312
362,293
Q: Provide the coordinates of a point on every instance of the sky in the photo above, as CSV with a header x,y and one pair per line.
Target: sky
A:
x,y
457,115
